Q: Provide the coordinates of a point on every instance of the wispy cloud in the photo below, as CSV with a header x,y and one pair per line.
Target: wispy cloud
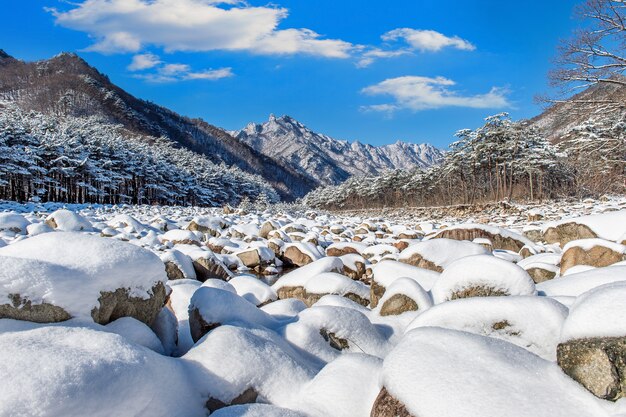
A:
x,y
428,40
421,93
163,72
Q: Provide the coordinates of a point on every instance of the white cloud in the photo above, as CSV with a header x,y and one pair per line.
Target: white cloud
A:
x,y
193,25
144,61
368,57
216,74
173,69
421,93
427,40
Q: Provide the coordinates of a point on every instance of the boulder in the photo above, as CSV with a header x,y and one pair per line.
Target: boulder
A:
x,y
599,364
593,252
500,238
388,406
398,304
208,266
564,233
300,253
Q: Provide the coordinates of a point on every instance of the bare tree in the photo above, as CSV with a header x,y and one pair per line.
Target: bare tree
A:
x,y
596,53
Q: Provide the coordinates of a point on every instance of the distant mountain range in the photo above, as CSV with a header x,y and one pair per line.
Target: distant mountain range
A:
x,y
327,160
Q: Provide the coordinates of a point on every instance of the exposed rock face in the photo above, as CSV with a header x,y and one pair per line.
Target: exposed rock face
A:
x,y
120,303
497,241
540,275
398,304
387,406
417,260
376,293
566,232
294,256
477,291
198,326
195,227
250,258
209,268
334,341
598,256
247,397
23,309
173,271
266,228
599,364
309,298
536,235
358,274
113,305
341,251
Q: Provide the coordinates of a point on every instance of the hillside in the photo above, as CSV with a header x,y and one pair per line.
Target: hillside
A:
x,y
67,85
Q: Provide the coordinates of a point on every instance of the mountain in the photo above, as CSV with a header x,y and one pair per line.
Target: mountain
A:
x,y
66,85
599,101
328,160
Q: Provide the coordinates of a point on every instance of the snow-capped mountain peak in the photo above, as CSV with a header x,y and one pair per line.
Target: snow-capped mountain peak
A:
x,y
328,160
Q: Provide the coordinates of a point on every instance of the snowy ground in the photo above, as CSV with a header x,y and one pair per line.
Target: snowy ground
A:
x,y
172,311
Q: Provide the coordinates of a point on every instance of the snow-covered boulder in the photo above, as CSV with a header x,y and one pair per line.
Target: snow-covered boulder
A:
x,y
500,238
253,290
207,265
593,348
291,285
436,372
211,225
256,410
386,272
541,267
481,276
68,221
13,222
344,248
180,237
210,308
177,265
436,254
346,387
609,226
55,276
72,371
404,295
324,332
593,252
333,283
354,266
301,253
577,283
533,323
239,365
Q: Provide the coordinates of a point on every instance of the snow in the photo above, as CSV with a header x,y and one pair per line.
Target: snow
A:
x,y
429,362
232,359
69,221
178,235
387,271
13,221
70,270
182,291
300,276
334,283
253,290
599,312
223,307
482,271
442,251
72,371
345,323
533,323
136,332
346,387
575,284
255,410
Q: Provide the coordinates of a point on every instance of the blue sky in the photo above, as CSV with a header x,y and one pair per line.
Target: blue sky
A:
x,y
376,72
